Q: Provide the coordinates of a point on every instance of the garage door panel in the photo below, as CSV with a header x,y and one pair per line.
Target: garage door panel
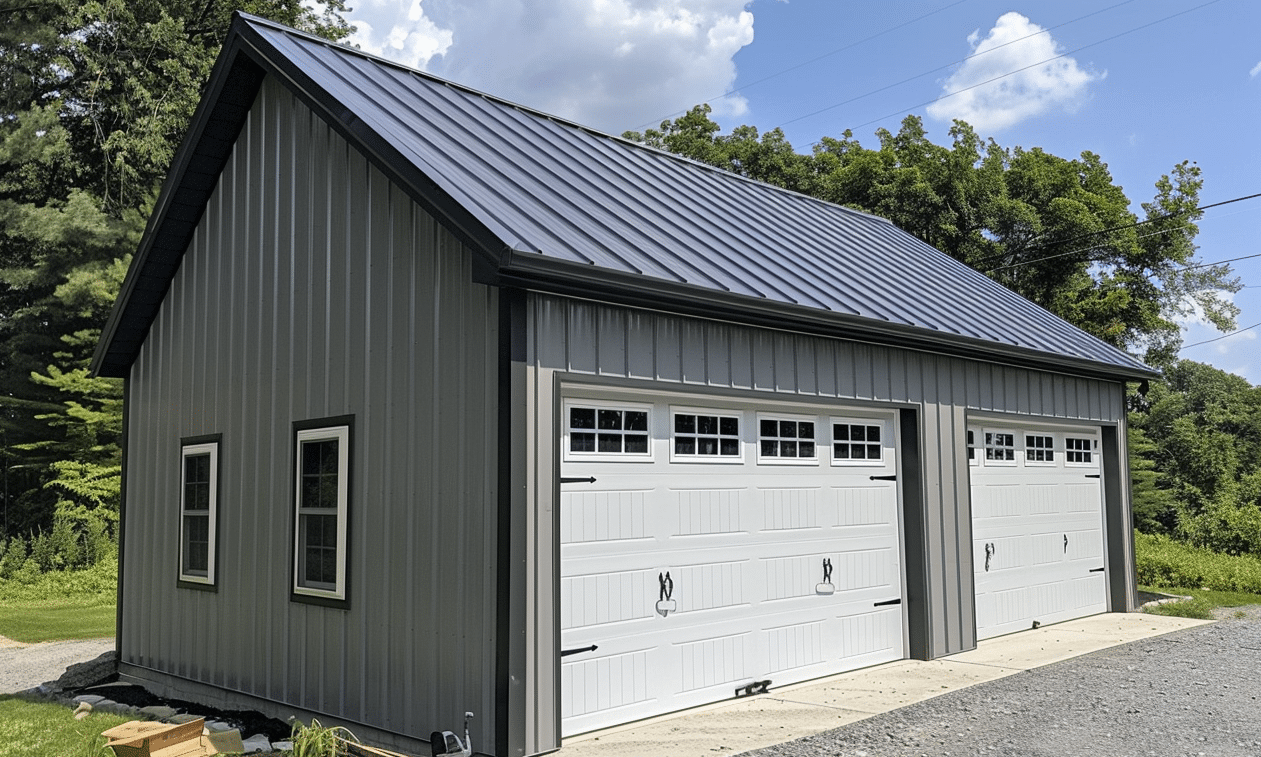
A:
x,y
744,542
1039,519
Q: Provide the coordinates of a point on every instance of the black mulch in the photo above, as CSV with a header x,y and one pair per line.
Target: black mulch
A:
x,y
248,722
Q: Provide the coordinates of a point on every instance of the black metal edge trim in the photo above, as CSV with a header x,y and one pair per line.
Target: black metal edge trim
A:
x,y
295,426
511,349
122,522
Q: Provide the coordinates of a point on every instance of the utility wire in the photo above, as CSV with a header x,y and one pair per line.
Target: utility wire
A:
x,y
1218,339
1047,30
1119,228
816,60
1011,73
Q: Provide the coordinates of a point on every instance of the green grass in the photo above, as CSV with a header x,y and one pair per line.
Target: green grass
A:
x,y
36,622
39,729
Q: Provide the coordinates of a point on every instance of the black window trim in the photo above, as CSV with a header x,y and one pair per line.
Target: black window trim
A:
x,y
211,583
313,596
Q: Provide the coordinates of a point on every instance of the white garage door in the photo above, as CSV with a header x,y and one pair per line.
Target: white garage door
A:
x,y
720,544
1037,526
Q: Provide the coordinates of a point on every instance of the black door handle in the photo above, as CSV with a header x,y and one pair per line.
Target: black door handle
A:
x,y
897,601
577,480
884,478
580,650
1096,570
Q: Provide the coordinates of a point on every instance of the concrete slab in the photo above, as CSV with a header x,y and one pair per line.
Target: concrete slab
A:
x,y
804,709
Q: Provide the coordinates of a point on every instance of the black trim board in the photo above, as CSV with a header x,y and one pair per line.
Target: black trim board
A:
x,y
914,535
511,525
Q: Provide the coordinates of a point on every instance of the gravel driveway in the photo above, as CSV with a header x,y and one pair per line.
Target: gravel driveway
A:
x,y
23,666
1192,692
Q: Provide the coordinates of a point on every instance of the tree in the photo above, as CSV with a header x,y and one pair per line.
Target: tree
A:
x,y
96,97
1055,230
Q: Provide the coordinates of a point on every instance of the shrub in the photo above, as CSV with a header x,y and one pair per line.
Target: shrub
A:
x,y
1161,561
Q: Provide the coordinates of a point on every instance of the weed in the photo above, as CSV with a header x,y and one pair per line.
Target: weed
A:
x,y
1187,608
317,740
1161,561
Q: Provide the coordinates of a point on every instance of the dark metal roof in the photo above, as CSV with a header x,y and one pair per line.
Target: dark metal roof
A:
x,y
551,205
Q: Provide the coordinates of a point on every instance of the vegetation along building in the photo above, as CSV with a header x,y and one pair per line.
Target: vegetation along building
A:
x,y
435,403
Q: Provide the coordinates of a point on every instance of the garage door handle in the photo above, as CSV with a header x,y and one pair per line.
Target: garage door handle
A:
x,y
579,650
897,601
884,478
577,480
1096,570
1092,475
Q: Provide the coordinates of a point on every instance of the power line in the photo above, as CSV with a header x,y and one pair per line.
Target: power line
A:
x,y
816,60
1012,73
1120,228
1047,30
1218,339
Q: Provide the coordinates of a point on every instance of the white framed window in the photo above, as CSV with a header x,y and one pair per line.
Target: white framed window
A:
x,y
856,441
786,439
321,500
1080,451
973,457
1000,447
701,435
199,510
606,431
1039,449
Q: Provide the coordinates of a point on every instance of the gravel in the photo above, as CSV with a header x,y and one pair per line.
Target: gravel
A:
x,y
1193,692
24,666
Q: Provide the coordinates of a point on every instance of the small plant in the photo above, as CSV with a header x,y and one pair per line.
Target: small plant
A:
x,y
1188,608
317,740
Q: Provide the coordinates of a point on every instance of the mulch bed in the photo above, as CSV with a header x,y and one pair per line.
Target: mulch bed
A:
x,y
248,722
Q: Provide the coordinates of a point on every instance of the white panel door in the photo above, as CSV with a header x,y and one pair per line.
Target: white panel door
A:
x,y
721,544
1037,526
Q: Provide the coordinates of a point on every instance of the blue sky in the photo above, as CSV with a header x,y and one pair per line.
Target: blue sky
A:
x,y
1144,83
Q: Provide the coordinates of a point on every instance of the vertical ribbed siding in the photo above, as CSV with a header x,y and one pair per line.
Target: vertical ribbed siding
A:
x,y
586,338
314,288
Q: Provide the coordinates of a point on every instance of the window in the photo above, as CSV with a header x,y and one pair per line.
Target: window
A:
x,y
706,435
322,487
1039,448
1078,451
594,430
973,459
856,442
786,440
1000,446
199,510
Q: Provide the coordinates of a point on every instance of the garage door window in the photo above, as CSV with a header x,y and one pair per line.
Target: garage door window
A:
x,y
706,435
786,440
604,431
973,458
1000,448
1078,451
1039,449
857,442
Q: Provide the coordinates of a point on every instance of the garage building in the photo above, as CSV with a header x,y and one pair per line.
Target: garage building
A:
x,y
436,403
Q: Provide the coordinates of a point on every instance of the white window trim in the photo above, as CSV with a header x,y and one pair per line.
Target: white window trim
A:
x,y
719,459
1094,450
1054,449
342,435
757,436
884,442
576,457
212,514
1017,435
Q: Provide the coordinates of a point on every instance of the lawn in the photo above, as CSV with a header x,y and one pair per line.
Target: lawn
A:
x,y
40,729
32,622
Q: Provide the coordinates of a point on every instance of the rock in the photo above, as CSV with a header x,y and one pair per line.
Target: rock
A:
x,y
87,698
182,717
84,674
159,712
218,726
282,746
257,743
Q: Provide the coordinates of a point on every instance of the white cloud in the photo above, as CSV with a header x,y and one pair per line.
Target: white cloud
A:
x,y
1022,95
1255,70
610,64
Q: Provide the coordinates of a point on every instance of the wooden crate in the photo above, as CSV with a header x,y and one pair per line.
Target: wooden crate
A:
x,y
146,739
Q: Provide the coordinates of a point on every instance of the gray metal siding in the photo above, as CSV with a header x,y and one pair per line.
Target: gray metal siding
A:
x,y
574,339
315,288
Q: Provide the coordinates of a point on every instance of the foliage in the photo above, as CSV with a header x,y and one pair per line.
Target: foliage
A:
x,y
97,97
94,586
42,729
317,740
1055,230
1187,608
1196,450
1161,561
